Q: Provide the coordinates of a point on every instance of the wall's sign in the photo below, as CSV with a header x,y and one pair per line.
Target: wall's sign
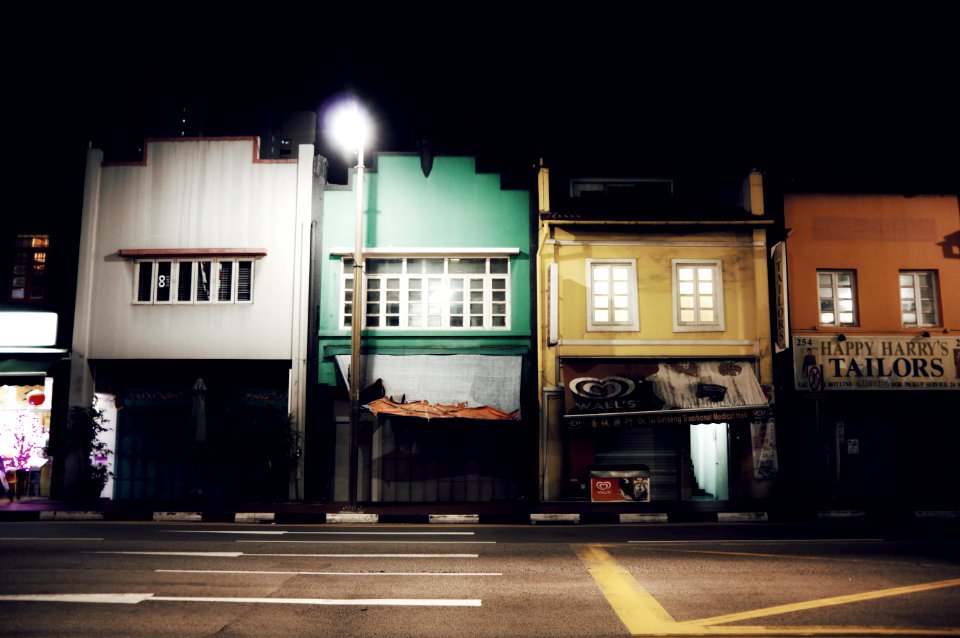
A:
x,y
782,336
876,363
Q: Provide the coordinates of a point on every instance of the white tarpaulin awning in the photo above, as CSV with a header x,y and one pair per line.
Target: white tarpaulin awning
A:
x,y
473,380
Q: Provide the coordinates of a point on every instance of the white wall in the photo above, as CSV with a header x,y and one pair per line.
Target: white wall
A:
x,y
195,194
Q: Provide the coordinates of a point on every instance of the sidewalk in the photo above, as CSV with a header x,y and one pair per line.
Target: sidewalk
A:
x,y
516,512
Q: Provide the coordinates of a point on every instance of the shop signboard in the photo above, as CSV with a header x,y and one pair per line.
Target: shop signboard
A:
x,y
612,393
826,363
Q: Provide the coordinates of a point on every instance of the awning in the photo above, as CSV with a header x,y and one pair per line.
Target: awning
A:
x,y
641,392
425,410
464,381
28,366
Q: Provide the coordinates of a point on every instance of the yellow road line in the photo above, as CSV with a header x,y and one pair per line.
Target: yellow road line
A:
x,y
824,602
637,609
642,615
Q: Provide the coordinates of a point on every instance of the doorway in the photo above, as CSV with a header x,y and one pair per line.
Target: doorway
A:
x,y
709,456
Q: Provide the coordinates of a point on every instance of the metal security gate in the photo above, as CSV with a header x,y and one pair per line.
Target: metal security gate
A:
x,y
448,460
656,447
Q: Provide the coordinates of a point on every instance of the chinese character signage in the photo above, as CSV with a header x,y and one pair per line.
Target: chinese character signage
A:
x,y
824,363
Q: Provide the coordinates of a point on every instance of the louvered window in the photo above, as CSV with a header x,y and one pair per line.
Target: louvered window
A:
x,y
190,281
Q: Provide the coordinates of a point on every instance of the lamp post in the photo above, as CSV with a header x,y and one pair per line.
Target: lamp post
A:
x,y
352,128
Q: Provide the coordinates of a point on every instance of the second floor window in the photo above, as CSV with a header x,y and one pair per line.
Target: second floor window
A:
x,y
193,281
430,293
29,281
837,292
697,295
918,298
612,295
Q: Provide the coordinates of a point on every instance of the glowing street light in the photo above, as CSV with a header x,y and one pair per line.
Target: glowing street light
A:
x,y
351,129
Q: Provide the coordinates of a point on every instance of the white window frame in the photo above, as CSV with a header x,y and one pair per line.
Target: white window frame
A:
x,y
632,322
175,277
923,305
837,297
492,309
716,267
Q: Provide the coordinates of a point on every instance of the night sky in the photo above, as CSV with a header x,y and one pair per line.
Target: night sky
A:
x,y
806,90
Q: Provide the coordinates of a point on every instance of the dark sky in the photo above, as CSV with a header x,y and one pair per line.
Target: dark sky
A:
x,y
802,89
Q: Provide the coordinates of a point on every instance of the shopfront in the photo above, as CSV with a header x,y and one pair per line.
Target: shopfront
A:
x,y
665,430
436,428
25,405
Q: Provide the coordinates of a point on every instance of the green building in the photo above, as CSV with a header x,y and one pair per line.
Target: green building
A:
x,y
445,342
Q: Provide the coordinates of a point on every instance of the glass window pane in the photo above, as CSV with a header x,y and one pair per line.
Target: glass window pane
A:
x,y
244,280
382,266
433,321
456,283
433,266
414,308
844,293
476,295
373,295
686,302
476,284
476,322
826,280
685,274
468,266
908,306
373,321
414,266
620,288
373,309
826,293
621,316
184,280
373,283
826,305
499,284
619,301
846,318
393,295
499,308
476,308
706,302
456,309
204,280
601,273
686,288
415,295
906,280
601,316
705,288
706,316
393,321
164,280
601,301
845,305
498,266
826,318
144,281
499,295
456,322
909,318
844,279
686,316
415,321
906,293
225,285
393,308
705,274
601,288
620,273
499,322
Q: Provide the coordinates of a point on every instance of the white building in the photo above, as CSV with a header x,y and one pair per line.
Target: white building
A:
x,y
194,266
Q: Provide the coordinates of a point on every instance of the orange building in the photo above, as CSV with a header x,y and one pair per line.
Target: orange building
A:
x,y
872,347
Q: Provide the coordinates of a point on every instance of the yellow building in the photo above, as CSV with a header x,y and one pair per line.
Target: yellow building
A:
x,y
655,362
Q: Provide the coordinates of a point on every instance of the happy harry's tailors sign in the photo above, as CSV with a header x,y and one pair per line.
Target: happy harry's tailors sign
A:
x,y
876,363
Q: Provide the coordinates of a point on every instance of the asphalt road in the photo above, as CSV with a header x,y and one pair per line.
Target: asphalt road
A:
x,y
104,579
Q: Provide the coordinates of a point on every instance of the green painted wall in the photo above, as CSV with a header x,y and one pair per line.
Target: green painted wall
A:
x,y
455,207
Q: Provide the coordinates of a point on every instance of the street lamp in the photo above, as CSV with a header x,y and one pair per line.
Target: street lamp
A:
x,y
351,127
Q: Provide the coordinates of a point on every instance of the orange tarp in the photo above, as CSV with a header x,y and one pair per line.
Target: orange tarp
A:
x,y
426,410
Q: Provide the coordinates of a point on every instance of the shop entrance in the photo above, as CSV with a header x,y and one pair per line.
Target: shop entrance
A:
x,y
709,458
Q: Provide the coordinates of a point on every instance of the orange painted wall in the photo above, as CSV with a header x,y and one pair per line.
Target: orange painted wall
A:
x,y
876,235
